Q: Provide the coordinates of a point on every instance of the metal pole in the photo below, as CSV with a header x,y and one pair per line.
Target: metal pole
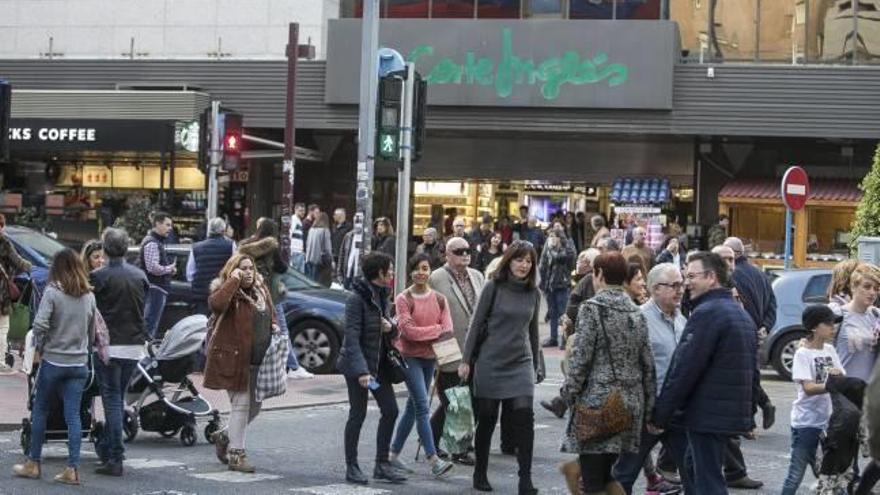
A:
x,y
855,33
403,181
369,77
289,160
787,238
211,211
757,30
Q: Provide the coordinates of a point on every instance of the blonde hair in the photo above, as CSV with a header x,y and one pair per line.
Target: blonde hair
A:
x,y
840,277
234,262
865,272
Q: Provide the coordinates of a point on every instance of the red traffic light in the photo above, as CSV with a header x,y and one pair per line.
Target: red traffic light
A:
x,y
232,143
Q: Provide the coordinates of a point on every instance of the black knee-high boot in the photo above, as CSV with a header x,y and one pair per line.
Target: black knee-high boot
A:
x,y
524,422
487,416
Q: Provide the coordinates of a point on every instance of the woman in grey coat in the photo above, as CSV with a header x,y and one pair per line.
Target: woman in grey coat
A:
x,y
319,251
502,347
609,324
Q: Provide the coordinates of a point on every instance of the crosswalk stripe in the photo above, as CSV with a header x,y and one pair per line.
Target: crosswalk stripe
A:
x,y
235,477
339,489
150,463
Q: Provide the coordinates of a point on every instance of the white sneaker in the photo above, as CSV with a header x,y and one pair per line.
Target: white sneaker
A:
x,y
299,374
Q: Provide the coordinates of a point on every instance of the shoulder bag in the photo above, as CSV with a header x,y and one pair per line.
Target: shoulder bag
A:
x,y
14,292
612,417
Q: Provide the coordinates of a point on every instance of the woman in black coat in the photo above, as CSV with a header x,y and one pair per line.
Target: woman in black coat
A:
x,y
383,237
368,330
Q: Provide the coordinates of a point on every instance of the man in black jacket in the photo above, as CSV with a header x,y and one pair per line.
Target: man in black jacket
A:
x,y
707,395
206,260
759,301
120,291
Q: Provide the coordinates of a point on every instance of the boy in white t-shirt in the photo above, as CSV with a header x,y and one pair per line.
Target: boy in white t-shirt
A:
x,y
812,365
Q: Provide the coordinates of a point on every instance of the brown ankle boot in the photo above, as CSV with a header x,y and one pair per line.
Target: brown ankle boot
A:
x,y
30,469
572,472
238,461
221,446
70,476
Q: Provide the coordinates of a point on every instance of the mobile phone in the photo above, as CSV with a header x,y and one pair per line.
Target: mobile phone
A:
x,y
373,384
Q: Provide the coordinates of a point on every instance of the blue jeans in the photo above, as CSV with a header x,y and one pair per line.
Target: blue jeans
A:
x,y
804,442
557,300
707,462
418,382
298,261
312,271
52,381
626,470
114,378
153,307
292,364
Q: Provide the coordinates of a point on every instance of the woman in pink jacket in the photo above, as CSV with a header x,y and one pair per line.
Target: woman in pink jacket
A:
x,y
422,319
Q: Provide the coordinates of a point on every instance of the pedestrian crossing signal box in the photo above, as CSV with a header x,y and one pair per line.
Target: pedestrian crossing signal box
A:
x,y
389,123
390,113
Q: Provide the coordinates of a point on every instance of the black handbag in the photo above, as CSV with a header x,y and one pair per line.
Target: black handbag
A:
x,y
392,365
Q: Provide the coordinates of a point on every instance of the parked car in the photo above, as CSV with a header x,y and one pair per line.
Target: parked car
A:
x,y
36,247
795,290
315,315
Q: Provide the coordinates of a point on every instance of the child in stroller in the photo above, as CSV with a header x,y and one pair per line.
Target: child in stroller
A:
x,y
162,375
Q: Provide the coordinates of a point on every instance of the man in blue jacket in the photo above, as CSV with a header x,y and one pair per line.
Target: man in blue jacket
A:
x,y
707,396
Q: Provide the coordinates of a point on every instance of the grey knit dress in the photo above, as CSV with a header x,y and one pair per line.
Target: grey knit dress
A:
x,y
502,341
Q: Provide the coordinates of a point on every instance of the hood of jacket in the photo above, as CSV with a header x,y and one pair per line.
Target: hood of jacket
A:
x,y
258,248
616,299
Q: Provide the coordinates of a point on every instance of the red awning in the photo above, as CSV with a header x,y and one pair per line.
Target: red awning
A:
x,y
820,190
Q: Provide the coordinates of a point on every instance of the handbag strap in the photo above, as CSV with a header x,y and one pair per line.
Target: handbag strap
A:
x,y
607,342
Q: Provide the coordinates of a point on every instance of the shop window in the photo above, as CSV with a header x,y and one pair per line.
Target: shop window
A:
x,y
411,9
816,290
452,9
498,9
828,229
638,9
591,9
543,9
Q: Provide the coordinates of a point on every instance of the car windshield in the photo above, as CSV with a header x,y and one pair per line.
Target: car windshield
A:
x,y
44,246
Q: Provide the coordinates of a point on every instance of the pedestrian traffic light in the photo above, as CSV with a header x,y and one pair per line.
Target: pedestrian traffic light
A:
x,y
205,130
390,110
5,105
232,140
420,104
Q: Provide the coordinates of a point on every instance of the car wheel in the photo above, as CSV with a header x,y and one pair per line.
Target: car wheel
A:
x,y
316,346
783,352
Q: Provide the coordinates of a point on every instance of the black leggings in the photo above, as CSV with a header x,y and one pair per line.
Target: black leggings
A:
x,y
596,471
870,477
357,413
522,422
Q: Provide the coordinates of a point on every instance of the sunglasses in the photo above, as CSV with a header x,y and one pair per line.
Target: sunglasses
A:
x,y
461,252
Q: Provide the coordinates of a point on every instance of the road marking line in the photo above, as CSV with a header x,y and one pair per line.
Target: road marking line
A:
x,y
339,489
235,477
150,463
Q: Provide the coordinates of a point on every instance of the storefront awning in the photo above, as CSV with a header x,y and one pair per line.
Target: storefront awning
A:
x,y
640,190
841,191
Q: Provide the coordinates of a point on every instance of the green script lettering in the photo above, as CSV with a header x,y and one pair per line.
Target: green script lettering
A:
x,y
551,73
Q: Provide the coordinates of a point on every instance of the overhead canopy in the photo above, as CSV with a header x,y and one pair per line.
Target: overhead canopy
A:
x,y
761,190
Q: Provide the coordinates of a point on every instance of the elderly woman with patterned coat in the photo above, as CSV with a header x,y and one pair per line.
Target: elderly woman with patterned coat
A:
x,y
609,324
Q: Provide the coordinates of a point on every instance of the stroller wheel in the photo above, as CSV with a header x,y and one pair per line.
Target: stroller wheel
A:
x,y
170,433
97,432
25,436
211,428
188,436
130,425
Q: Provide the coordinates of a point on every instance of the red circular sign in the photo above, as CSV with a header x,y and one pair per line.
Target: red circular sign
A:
x,y
795,188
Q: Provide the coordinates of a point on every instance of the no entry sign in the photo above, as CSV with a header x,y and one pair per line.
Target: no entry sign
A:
x,y
795,188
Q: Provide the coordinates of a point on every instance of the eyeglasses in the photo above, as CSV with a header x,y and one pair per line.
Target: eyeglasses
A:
x,y
461,252
728,258
694,275
676,286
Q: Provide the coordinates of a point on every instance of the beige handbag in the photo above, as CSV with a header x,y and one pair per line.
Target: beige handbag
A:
x,y
447,351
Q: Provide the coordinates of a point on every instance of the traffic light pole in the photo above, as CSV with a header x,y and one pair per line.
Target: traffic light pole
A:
x,y
404,180
369,78
211,211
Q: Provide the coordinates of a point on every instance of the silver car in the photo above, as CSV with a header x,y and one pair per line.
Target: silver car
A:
x,y
794,290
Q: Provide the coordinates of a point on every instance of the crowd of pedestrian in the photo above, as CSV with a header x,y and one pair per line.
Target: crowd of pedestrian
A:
x,y
660,347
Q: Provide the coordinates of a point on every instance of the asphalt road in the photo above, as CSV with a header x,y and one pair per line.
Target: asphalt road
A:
x,y
299,452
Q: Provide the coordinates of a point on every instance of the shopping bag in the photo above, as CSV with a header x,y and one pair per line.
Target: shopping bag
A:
x,y
272,373
458,429
19,322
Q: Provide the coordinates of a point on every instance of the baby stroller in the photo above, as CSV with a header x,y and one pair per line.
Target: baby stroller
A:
x,y
56,427
163,375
